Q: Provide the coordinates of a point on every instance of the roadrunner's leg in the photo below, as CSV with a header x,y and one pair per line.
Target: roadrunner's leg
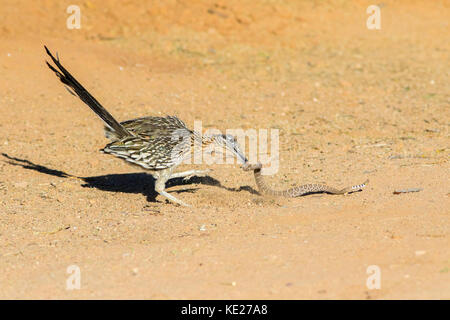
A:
x,y
189,174
160,186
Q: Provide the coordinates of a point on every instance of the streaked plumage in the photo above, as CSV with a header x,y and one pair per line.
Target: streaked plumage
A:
x,y
157,142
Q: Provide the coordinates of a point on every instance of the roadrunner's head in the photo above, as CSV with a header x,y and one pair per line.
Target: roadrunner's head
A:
x,y
231,145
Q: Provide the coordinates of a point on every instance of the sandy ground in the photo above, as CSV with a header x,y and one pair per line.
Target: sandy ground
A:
x,y
350,104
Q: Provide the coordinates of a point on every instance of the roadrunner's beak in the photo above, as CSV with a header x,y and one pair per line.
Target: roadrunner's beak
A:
x,y
240,156
234,147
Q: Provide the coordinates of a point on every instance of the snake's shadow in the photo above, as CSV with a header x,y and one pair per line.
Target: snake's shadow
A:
x,y
128,182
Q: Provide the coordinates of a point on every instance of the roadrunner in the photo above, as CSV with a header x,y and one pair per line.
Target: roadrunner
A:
x,y
157,144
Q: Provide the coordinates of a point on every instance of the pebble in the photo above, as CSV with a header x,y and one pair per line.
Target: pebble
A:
x,y
407,190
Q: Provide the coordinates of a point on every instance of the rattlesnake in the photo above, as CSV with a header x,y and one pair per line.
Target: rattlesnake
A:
x,y
299,190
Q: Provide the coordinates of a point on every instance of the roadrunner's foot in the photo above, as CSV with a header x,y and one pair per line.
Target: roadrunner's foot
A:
x,y
186,175
173,199
160,186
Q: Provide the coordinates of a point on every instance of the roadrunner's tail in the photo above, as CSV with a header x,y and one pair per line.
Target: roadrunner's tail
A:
x,y
86,97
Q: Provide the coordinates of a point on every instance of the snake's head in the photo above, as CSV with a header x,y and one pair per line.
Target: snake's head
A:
x,y
249,166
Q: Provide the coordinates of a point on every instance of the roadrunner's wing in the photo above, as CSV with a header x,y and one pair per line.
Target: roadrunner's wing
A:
x,y
155,153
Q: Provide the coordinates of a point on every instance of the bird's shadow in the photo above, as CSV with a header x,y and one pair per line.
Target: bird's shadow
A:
x,y
128,182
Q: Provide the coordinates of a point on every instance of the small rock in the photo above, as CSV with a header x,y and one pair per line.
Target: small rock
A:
x,y
420,252
407,190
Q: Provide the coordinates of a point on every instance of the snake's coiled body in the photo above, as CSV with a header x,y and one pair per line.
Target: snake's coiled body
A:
x,y
299,190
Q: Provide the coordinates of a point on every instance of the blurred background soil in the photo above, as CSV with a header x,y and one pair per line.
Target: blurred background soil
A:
x,y
350,104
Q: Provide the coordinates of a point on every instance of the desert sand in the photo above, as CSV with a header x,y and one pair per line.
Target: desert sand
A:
x,y
350,104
